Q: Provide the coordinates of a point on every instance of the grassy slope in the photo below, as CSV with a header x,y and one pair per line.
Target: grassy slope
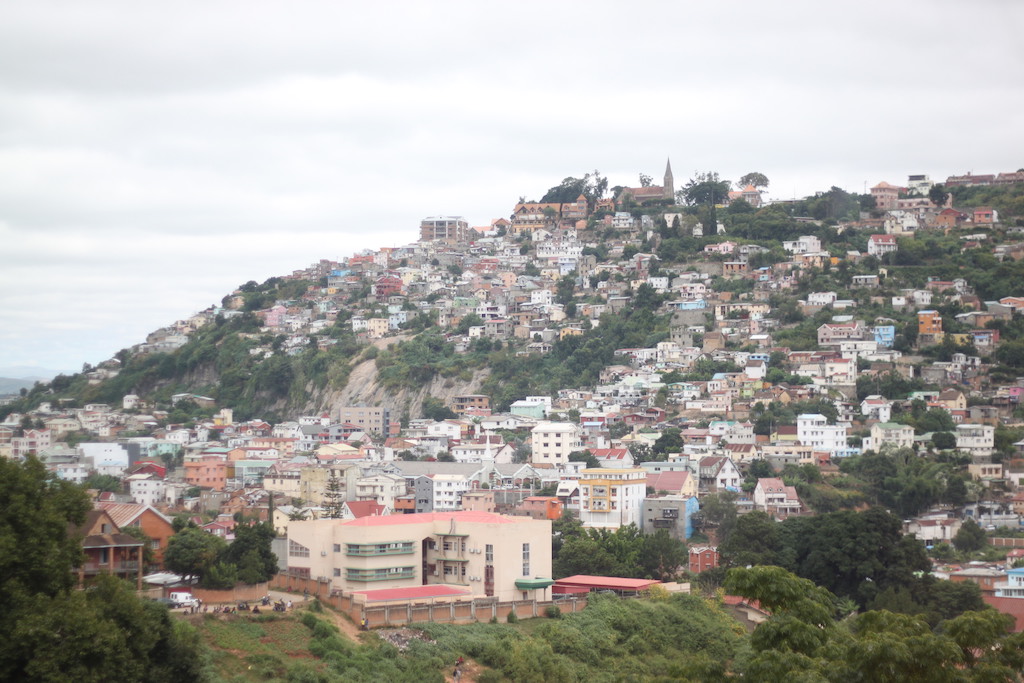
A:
x,y
677,638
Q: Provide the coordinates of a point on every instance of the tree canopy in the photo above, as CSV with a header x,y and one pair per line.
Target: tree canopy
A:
x,y
754,178
53,632
706,188
804,640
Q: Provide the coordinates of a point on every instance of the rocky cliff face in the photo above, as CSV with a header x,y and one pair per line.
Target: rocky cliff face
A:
x,y
363,389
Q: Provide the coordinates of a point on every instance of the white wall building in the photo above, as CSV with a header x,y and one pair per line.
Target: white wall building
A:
x,y
813,429
552,442
610,498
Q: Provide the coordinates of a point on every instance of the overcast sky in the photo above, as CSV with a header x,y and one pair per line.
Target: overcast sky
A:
x,y
154,156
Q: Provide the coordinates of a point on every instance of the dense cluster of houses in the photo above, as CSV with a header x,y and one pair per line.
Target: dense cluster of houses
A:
x,y
447,497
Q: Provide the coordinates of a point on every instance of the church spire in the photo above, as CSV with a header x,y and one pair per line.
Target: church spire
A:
x,y
669,184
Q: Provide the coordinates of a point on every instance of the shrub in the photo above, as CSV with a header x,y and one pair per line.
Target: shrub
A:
x,y
513,618
553,612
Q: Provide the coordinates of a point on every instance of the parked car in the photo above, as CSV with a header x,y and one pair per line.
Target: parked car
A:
x,y
165,601
183,599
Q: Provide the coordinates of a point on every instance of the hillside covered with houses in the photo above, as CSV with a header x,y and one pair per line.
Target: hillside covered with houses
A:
x,y
676,361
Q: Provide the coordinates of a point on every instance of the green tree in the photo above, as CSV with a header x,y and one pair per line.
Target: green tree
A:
x,y
250,552
944,441
435,409
661,556
754,540
334,498
36,552
938,196
670,441
192,552
584,457
970,537
706,189
50,632
758,180
103,482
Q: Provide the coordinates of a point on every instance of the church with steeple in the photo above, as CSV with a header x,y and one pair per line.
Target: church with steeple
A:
x,y
642,195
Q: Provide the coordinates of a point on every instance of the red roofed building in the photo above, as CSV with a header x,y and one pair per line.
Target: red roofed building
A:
x,y
584,583
616,458
985,215
703,558
771,495
107,549
147,518
364,508
678,483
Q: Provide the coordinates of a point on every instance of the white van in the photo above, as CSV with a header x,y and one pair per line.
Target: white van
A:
x,y
183,599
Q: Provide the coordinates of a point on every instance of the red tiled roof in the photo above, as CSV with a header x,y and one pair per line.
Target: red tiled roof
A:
x,y
365,508
605,582
475,516
667,481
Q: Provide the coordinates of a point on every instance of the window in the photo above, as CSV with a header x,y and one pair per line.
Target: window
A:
x,y
489,552
526,559
337,547
337,571
297,550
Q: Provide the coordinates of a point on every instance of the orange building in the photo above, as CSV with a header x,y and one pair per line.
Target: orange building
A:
x,y
157,526
929,327
107,550
542,507
210,471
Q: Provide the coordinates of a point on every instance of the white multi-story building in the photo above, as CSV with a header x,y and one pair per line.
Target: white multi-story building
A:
x,y
610,498
976,439
552,442
813,429
448,490
146,489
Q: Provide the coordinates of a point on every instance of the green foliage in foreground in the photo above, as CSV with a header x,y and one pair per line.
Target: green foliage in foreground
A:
x,y
682,637
810,636
804,641
52,632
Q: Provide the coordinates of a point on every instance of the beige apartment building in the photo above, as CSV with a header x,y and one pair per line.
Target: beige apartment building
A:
x,y
488,554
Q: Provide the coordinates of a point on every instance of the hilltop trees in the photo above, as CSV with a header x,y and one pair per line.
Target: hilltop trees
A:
x,y
705,189
593,186
758,180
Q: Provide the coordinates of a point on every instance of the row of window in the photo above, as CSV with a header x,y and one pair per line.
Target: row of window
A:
x,y
382,574
367,549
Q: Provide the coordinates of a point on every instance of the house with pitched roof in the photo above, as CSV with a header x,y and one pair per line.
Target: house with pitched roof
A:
x,y
107,549
771,495
156,525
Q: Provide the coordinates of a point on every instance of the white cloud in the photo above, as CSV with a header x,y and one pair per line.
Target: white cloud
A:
x,y
152,157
